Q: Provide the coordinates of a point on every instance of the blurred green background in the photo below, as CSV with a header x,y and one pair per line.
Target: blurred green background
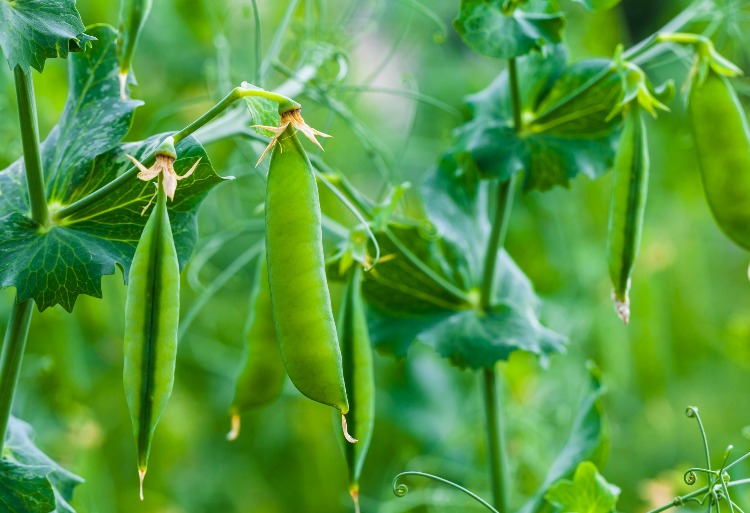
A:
x,y
688,342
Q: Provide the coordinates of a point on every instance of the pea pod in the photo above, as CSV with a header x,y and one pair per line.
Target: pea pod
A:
x,y
722,141
627,206
262,373
151,320
133,14
296,268
356,352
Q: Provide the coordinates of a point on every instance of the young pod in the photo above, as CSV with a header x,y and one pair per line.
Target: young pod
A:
x,y
627,206
133,14
151,320
722,141
296,269
356,352
261,376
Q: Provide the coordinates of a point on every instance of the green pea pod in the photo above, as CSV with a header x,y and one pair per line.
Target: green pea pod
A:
x,y
722,141
262,373
296,269
133,14
151,319
627,206
356,352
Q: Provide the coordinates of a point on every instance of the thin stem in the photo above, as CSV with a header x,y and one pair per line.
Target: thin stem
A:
x,y
492,408
496,241
278,39
10,359
496,441
256,65
236,94
515,94
32,157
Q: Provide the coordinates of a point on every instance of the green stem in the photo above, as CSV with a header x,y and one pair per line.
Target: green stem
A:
x,y
497,456
237,93
30,138
10,359
498,461
496,241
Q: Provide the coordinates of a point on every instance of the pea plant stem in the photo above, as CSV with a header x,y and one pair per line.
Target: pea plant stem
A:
x,y
236,94
498,464
10,359
32,157
20,314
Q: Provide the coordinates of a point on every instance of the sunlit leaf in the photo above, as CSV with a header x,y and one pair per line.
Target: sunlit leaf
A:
x,y
588,492
588,441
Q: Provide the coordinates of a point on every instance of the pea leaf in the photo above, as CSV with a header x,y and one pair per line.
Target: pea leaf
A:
x,y
41,474
406,304
588,492
82,153
598,5
488,31
565,128
32,31
262,111
24,489
588,441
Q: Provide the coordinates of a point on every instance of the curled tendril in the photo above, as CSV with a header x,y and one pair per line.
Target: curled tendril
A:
x,y
400,489
691,476
691,411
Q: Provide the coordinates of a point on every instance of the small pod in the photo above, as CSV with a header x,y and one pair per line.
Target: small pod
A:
x,y
151,320
262,373
722,141
296,268
627,206
133,14
356,352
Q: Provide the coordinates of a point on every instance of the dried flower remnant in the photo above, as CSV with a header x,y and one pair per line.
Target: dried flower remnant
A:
x,y
164,165
294,118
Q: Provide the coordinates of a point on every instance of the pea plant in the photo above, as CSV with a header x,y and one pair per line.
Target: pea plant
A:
x,y
83,203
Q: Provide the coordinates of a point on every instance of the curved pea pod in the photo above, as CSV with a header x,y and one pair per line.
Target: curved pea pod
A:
x,y
133,14
627,207
261,376
151,320
356,352
296,268
722,141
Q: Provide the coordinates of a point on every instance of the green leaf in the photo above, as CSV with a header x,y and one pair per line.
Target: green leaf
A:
x,y
488,31
20,448
262,111
588,441
32,31
598,5
81,154
24,489
407,305
588,492
565,128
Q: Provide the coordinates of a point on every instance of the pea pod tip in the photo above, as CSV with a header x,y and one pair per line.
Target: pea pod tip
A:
x,y
349,438
354,492
141,476
622,307
123,86
234,432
